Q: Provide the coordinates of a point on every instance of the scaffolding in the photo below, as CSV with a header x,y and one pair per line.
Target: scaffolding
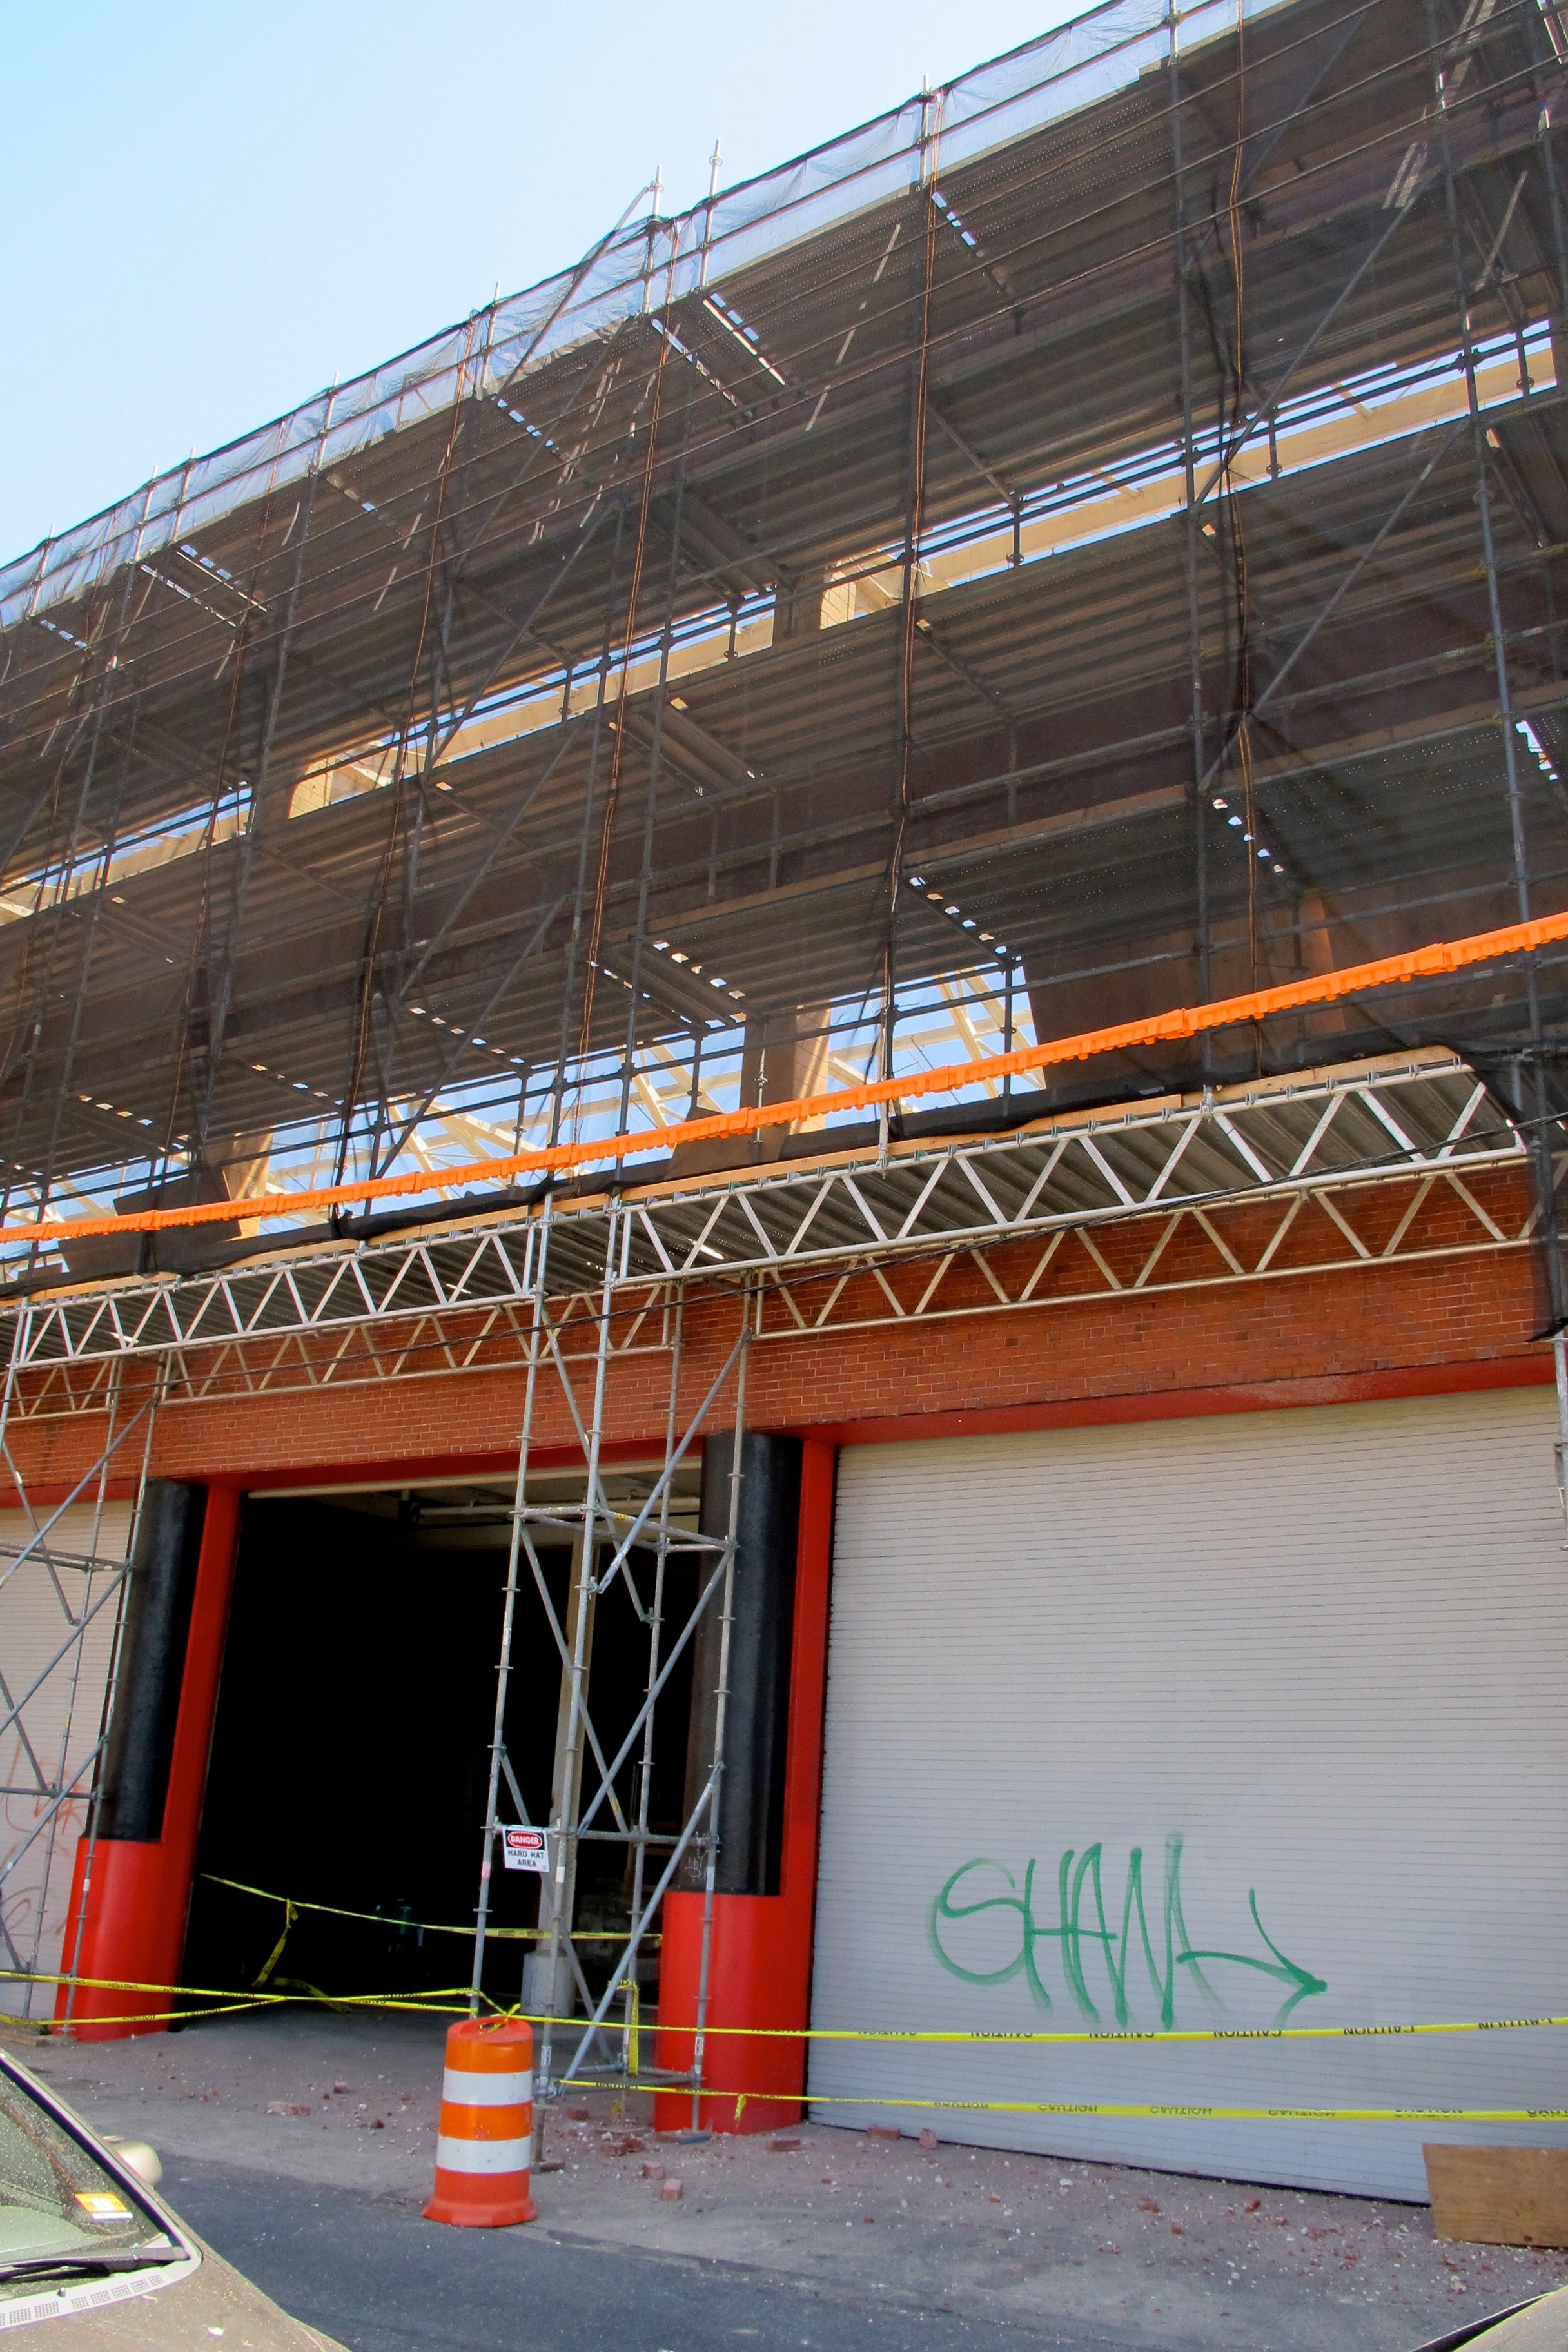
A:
x,y
1090,540
603,1540
63,1590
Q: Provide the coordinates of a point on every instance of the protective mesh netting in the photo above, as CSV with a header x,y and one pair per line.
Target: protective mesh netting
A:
x,y
1087,543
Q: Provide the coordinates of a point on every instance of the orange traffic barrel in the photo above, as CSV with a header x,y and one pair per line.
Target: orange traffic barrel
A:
x,y
485,2148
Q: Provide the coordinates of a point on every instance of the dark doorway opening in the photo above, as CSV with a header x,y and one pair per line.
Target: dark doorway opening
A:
x,y
351,1752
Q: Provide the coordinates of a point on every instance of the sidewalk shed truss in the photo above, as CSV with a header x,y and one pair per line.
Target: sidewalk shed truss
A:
x,y
797,1233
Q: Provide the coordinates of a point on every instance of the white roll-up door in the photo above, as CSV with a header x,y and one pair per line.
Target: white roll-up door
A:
x,y
56,1635
1230,1722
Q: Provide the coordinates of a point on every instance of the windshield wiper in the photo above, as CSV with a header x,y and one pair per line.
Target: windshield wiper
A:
x,y
132,2258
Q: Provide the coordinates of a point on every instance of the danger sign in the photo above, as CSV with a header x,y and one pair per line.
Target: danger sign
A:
x,y
523,1850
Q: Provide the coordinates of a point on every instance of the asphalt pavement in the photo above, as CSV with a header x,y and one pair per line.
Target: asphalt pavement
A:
x,y
370,2272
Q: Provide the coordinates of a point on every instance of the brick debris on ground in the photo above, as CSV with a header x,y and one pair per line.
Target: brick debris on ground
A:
x,y
1052,2248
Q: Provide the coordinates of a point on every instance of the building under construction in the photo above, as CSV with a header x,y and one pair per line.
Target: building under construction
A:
x,y
585,929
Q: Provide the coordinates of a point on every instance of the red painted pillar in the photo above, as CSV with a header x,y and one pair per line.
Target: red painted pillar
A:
x,y
133,1909
759,1970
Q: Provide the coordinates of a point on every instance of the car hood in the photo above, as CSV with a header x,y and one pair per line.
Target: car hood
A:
x,y
1542,2327
185,2316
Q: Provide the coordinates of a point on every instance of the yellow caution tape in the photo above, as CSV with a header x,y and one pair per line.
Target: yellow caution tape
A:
x,y
1022,2036
291,1913
964,2036
1006,2038
454,2000
1185,2110
629,1986
982,2036
446,2000
1002,2035
426,1926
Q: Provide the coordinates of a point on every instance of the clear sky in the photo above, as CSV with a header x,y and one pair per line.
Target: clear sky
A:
x,y
218,206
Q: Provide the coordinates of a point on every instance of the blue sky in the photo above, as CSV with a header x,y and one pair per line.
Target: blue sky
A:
x,y
215,208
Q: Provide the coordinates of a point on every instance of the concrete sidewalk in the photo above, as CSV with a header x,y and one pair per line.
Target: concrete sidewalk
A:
x,y
1048,2249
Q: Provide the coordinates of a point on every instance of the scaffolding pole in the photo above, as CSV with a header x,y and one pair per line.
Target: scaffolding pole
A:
x,y
104,1583
604,1539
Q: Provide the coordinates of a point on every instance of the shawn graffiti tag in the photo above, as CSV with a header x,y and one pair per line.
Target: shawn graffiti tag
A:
x,y
1085,1939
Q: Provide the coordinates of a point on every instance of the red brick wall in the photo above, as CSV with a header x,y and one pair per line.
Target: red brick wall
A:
x,y
1307,1336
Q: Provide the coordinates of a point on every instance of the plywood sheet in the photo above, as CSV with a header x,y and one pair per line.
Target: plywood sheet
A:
x,y
1500,2196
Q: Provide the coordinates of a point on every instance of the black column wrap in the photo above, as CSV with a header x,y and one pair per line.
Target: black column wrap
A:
x,y
756,1717
134,1784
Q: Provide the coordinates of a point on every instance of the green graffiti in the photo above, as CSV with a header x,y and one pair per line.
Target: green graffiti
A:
x,y
1085,1939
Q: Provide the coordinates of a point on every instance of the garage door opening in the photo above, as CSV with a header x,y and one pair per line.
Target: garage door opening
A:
x,y
351,1754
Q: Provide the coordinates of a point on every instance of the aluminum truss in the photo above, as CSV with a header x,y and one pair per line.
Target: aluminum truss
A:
x,y
799,1232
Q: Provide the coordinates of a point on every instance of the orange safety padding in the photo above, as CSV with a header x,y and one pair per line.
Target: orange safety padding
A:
x,y
1187,1021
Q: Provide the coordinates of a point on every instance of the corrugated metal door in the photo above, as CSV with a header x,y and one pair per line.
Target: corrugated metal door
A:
x,y
57,1683
1232,1722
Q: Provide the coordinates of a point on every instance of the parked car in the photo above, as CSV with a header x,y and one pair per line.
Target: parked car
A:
x,y
88,2251
1538,2325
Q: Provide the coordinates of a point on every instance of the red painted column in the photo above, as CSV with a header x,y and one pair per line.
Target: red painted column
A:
x,y
758,1968
134,1907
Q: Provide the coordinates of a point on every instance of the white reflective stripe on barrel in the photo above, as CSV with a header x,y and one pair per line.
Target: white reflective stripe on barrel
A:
x,y
488,2090
484,2154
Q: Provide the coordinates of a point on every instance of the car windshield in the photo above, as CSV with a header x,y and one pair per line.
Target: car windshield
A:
x,y
56,2198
